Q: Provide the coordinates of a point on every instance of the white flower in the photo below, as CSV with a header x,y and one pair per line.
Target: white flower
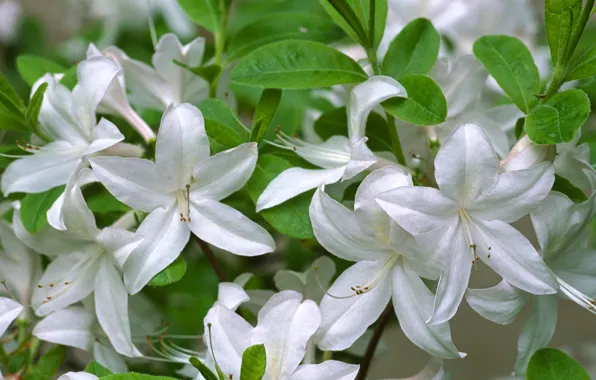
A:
x,y
285,324
165,83
469,215
85,260
78,376
9,310
572,162
339,157
68,119
387,269
10,19
525,154
182,191
76,326
559,224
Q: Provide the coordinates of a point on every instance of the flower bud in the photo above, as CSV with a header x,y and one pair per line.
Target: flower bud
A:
x,y
525,154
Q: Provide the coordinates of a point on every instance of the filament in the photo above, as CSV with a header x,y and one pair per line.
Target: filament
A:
x,y
577,296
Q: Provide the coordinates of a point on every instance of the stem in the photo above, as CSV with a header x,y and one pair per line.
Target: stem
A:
x,y
212,260
372,345
395,142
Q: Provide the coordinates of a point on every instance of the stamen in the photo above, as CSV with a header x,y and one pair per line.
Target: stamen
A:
x,y
577,296
183,198
24,145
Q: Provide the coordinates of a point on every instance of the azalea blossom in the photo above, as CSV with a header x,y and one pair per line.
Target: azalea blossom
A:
x,y
560,225
388,268
469,214
85,260
9,311
165,83
285,324
340,157
182,191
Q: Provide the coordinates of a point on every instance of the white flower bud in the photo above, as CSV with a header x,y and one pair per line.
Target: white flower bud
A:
x,y
525,154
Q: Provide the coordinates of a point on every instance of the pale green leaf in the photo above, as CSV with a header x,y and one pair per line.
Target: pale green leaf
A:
x,y
552,364
171,274
254,363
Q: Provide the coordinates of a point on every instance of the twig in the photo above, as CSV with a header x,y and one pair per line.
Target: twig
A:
x,y
374,341
212,260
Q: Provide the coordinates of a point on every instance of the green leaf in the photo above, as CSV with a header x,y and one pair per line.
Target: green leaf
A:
x,y
203,369
560,17
32,68
70,78
221,136
11,121
254,363
291,217
217,110
510,62
97,369
284,26
380,20
206,13
35,206
562,185
558,120
342,13
295,64
9,98
48,364
35,105
171,274
105,202
425,104
552,364
210,72
264,113
413,51
135,376
582,65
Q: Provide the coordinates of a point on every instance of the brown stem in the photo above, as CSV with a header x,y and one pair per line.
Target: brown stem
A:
x,y
212,260
374,342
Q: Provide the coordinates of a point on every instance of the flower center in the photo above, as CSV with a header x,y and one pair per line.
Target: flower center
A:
x,y
466,221
183,198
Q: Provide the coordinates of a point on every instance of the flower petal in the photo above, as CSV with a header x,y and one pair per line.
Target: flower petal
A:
x,y
221,175
231,295
285,324
78,219
327,370
413,305
109,358
345,320
295,181
119,242
367,95
515,194
513,257
361,158
167,50
70,327
227,228
181,143
466,164
337,229
418,209
9,310
104,135
538,330
78,376
165,236
111,307
133,181
499,304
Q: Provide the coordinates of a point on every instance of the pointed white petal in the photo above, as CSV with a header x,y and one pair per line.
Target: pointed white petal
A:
x,y
345,320
165,236
78,376
413,305
70,327
538,330
466,164
499,304
109,358
111,307
361,158
227,228
119,242
133,181
328,370
515,194
418,209
167,50
231,295
55,213
104,135
9,310
338,230
295,181
513,257
181,143
285,324
221,175
365,96
332,153
77,217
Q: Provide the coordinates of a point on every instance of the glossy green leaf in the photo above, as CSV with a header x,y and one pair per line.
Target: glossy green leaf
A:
x,y
560,17
425,104
380,20
35,206
284,26
290,218
295,64
582,65
413,51
47,366
206,13
510,62
32,68
342,13
558,120
203,369
9,99
264,113
171,274
222,137
217,110
254,363
35,105
97,369
552,364
12,121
